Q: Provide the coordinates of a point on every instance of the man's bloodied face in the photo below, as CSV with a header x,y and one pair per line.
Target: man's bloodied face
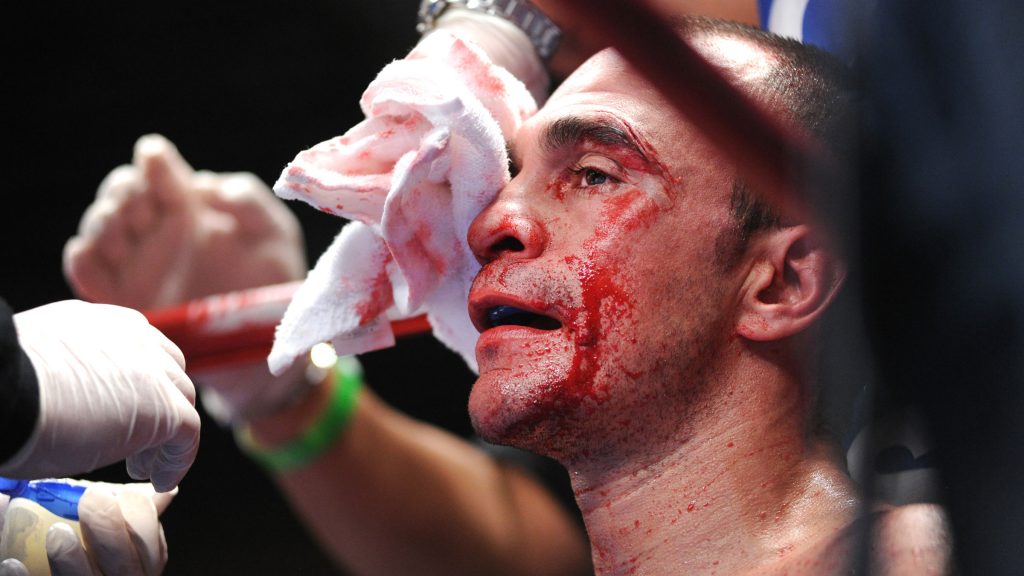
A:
x,y
602,300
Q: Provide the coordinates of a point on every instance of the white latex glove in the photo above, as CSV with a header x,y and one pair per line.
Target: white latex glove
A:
x,y
110,387
160,233
121,528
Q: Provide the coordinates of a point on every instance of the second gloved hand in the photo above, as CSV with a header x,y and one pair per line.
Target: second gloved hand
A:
x,y
121,533
111,387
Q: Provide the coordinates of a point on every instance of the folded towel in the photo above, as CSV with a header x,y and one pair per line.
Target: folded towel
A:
x,y
411,177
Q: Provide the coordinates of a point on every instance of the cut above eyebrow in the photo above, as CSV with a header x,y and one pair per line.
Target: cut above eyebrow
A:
x,y
573,130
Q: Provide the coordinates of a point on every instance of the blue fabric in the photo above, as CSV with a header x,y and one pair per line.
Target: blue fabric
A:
x,y
825,25
763,9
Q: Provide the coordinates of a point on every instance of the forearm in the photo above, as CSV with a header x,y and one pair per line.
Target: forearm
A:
x,y
396,496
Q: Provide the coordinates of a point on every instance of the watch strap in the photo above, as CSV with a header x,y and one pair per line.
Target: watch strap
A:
x,y
542,32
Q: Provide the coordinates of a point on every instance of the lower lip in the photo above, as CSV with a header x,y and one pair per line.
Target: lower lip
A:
x,y
514,333
516,345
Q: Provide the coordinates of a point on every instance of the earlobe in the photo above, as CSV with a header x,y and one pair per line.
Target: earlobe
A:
x,y
792,282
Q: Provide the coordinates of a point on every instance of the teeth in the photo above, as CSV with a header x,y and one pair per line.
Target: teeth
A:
x,y
510,315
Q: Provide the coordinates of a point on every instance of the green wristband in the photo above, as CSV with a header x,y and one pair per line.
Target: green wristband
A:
x,y
320,435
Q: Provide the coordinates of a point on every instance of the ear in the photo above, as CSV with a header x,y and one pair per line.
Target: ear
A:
x,y
791,282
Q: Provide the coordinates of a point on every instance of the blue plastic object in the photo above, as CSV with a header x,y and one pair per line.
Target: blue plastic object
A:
x,y
58,497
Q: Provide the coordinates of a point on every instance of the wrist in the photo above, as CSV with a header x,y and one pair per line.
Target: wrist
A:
x,y
244,393
289,421
301,433
543,34
505,44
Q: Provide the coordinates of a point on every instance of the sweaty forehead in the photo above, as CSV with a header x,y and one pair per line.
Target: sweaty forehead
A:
x,y
605,72
606,86
740,58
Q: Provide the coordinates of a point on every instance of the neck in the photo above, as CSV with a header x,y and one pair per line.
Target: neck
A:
x,y
749,488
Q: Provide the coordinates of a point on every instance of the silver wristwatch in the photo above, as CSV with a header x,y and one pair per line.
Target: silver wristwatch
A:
x,y
541,31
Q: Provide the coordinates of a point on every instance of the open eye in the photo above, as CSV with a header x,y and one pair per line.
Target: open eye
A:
x,y
595,170
592,177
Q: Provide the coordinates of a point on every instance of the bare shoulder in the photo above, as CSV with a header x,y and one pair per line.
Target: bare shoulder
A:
x,y
912,540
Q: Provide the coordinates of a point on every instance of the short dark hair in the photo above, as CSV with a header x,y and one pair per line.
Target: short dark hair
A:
x,y
809,85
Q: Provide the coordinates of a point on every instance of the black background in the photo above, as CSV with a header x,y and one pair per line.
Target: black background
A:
x,y
237,86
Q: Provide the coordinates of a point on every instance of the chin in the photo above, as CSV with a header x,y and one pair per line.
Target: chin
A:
x,y
503,414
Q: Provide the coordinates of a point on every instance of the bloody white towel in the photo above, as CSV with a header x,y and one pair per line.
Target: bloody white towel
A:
x,y
429,156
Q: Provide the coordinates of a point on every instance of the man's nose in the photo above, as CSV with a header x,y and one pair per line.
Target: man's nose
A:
x,y
509,228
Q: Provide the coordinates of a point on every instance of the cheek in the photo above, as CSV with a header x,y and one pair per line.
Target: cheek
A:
x,y
605,323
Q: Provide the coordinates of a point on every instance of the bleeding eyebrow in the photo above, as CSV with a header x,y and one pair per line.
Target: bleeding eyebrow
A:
x,y
573,130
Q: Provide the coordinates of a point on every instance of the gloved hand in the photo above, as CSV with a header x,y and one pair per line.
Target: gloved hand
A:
x,y
121,529
110,387
160,233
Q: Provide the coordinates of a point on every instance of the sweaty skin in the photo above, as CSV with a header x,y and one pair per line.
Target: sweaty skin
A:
x,y
662,371
597,218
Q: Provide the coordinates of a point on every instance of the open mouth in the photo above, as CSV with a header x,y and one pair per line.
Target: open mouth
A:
x,y
512,316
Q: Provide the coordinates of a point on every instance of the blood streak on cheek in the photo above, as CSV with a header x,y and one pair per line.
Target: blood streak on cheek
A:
x,y
597,288
627,212
558,188
601,294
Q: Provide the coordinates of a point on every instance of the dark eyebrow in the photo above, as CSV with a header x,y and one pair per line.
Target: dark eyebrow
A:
x,y
573,130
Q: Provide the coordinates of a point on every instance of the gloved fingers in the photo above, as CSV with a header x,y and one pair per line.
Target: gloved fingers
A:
x,y
65,553
182,381
106,533
144,530
175,456
166,464
175,369
160,499
4,501
176,364
164,172
140,465
12,567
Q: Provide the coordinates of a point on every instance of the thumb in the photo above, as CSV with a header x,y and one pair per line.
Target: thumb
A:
x,y
65,553
12,567
164,171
